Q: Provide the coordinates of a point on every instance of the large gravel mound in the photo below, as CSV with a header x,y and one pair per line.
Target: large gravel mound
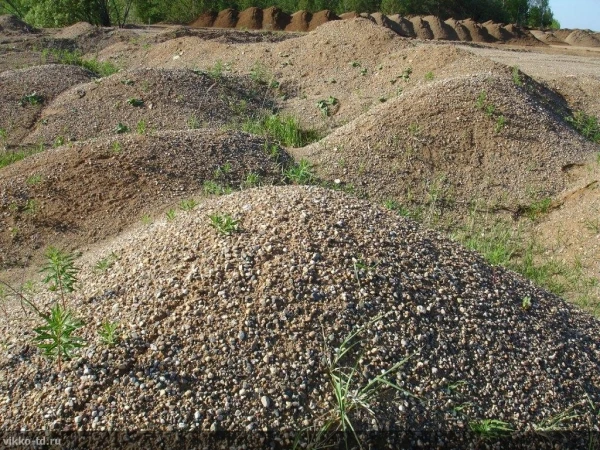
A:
x,y
24,92
470,140
161,99
582,38
82,193
234,332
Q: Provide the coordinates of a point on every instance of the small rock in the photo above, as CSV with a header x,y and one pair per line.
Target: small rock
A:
x,y
266,401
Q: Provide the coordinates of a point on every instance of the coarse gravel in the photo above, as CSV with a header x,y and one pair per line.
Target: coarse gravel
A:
x,y
233,332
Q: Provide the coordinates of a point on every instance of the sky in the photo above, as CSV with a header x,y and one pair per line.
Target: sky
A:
x,y
584,14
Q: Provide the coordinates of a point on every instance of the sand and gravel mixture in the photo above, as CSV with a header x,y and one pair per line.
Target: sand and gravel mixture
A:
x,y
232,332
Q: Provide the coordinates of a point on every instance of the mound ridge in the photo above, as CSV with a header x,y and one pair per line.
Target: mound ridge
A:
x,y
12,24
435,142
170,100
420,27
126,177
213,325
17,114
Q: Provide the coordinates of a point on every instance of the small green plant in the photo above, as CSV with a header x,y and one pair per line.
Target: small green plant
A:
x,y
488,429
300,173
135,102
116,147
259,73
193,123
350,395
55,338
272,150
285,130
587,125
100,68
396,206
106,263
108,333
32,99
490,110
593,225
364,71
58,141
212,188
146,219
121,128
141,126
429,76
526,303
414,129
188,205
127,82
536,209
224,223
556,423
516,76
171,214
31,206
500,124
481,100
355,64
216,71
325,106
223,170
34,179
406,74
252,180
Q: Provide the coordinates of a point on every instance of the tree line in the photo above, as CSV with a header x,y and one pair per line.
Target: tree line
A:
x,y
59,13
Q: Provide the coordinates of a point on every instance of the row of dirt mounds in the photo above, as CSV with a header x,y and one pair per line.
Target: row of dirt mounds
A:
x,y
575,38
240,332
145,100
24,93
125,177
455,143
426,28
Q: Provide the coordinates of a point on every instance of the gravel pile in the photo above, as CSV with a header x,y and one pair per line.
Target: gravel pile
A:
x,y
160,99
233,332
24,92
459,142
78,194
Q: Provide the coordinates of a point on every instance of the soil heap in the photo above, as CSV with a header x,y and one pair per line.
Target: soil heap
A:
x,y
25,92
143,100
44,202
234,332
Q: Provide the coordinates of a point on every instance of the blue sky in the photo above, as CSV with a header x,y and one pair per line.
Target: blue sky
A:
x,y
577,13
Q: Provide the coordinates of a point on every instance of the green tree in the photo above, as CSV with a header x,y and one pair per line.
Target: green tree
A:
x,y
13,7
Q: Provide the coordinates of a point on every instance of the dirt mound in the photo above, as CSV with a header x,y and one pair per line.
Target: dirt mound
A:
x,y
226,19
548,37
460,141
349,15
242,331
520,36
497,31
24,93
402,26
144,100
321,17
206,19
78,30
563,33
275,19
300,21
441,30
477,32
581,38
462,32
575,226
124,178
12,24
250,19
421,28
